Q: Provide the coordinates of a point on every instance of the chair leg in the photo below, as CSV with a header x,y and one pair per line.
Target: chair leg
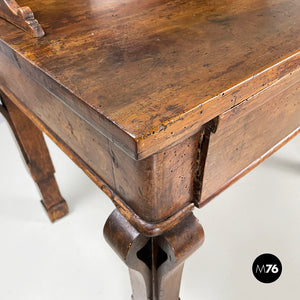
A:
x,y
36,155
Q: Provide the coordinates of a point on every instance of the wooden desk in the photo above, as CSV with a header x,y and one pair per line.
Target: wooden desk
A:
x,y
162,103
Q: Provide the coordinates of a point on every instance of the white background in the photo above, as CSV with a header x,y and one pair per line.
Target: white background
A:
x,y
71,260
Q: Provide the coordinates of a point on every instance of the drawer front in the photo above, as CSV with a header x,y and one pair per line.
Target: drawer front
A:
x,y
248,133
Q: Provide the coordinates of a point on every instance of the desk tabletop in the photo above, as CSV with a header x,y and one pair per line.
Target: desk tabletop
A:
x,y
148,73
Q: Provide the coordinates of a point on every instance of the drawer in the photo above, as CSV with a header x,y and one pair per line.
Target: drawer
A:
x,y
250,132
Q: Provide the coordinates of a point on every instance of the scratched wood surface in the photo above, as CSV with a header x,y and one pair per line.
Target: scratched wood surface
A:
x,y
154,187
249,132
146,73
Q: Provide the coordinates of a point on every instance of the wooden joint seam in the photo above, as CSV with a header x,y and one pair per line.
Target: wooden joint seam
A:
x,y
151,229
202,150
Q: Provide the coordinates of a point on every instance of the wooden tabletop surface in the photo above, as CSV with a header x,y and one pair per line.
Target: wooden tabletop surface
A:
x,y
148,73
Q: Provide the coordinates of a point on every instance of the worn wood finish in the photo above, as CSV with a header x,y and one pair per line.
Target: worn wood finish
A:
x,y
20,16
36,156
152,72
248,131
123,174
155,264
159,102
200,163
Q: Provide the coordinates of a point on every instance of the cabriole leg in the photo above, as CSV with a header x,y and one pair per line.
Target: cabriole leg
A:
x,y
155,264
36,155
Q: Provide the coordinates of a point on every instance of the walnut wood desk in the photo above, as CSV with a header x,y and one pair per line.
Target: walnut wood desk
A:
x,y
163,104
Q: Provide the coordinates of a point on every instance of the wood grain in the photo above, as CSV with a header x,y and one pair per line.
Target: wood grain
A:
x,y
248,132
36,156
130,91
168,174
21,17
152,72
155,264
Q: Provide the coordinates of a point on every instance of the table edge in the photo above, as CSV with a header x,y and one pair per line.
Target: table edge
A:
x,y
173,130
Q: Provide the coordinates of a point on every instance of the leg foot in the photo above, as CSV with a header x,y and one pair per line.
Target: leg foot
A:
x,y
155,264
53,202
37,158
57,211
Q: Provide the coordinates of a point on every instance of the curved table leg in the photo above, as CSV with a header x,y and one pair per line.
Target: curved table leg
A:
x,y
22,17
155,264
37,158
